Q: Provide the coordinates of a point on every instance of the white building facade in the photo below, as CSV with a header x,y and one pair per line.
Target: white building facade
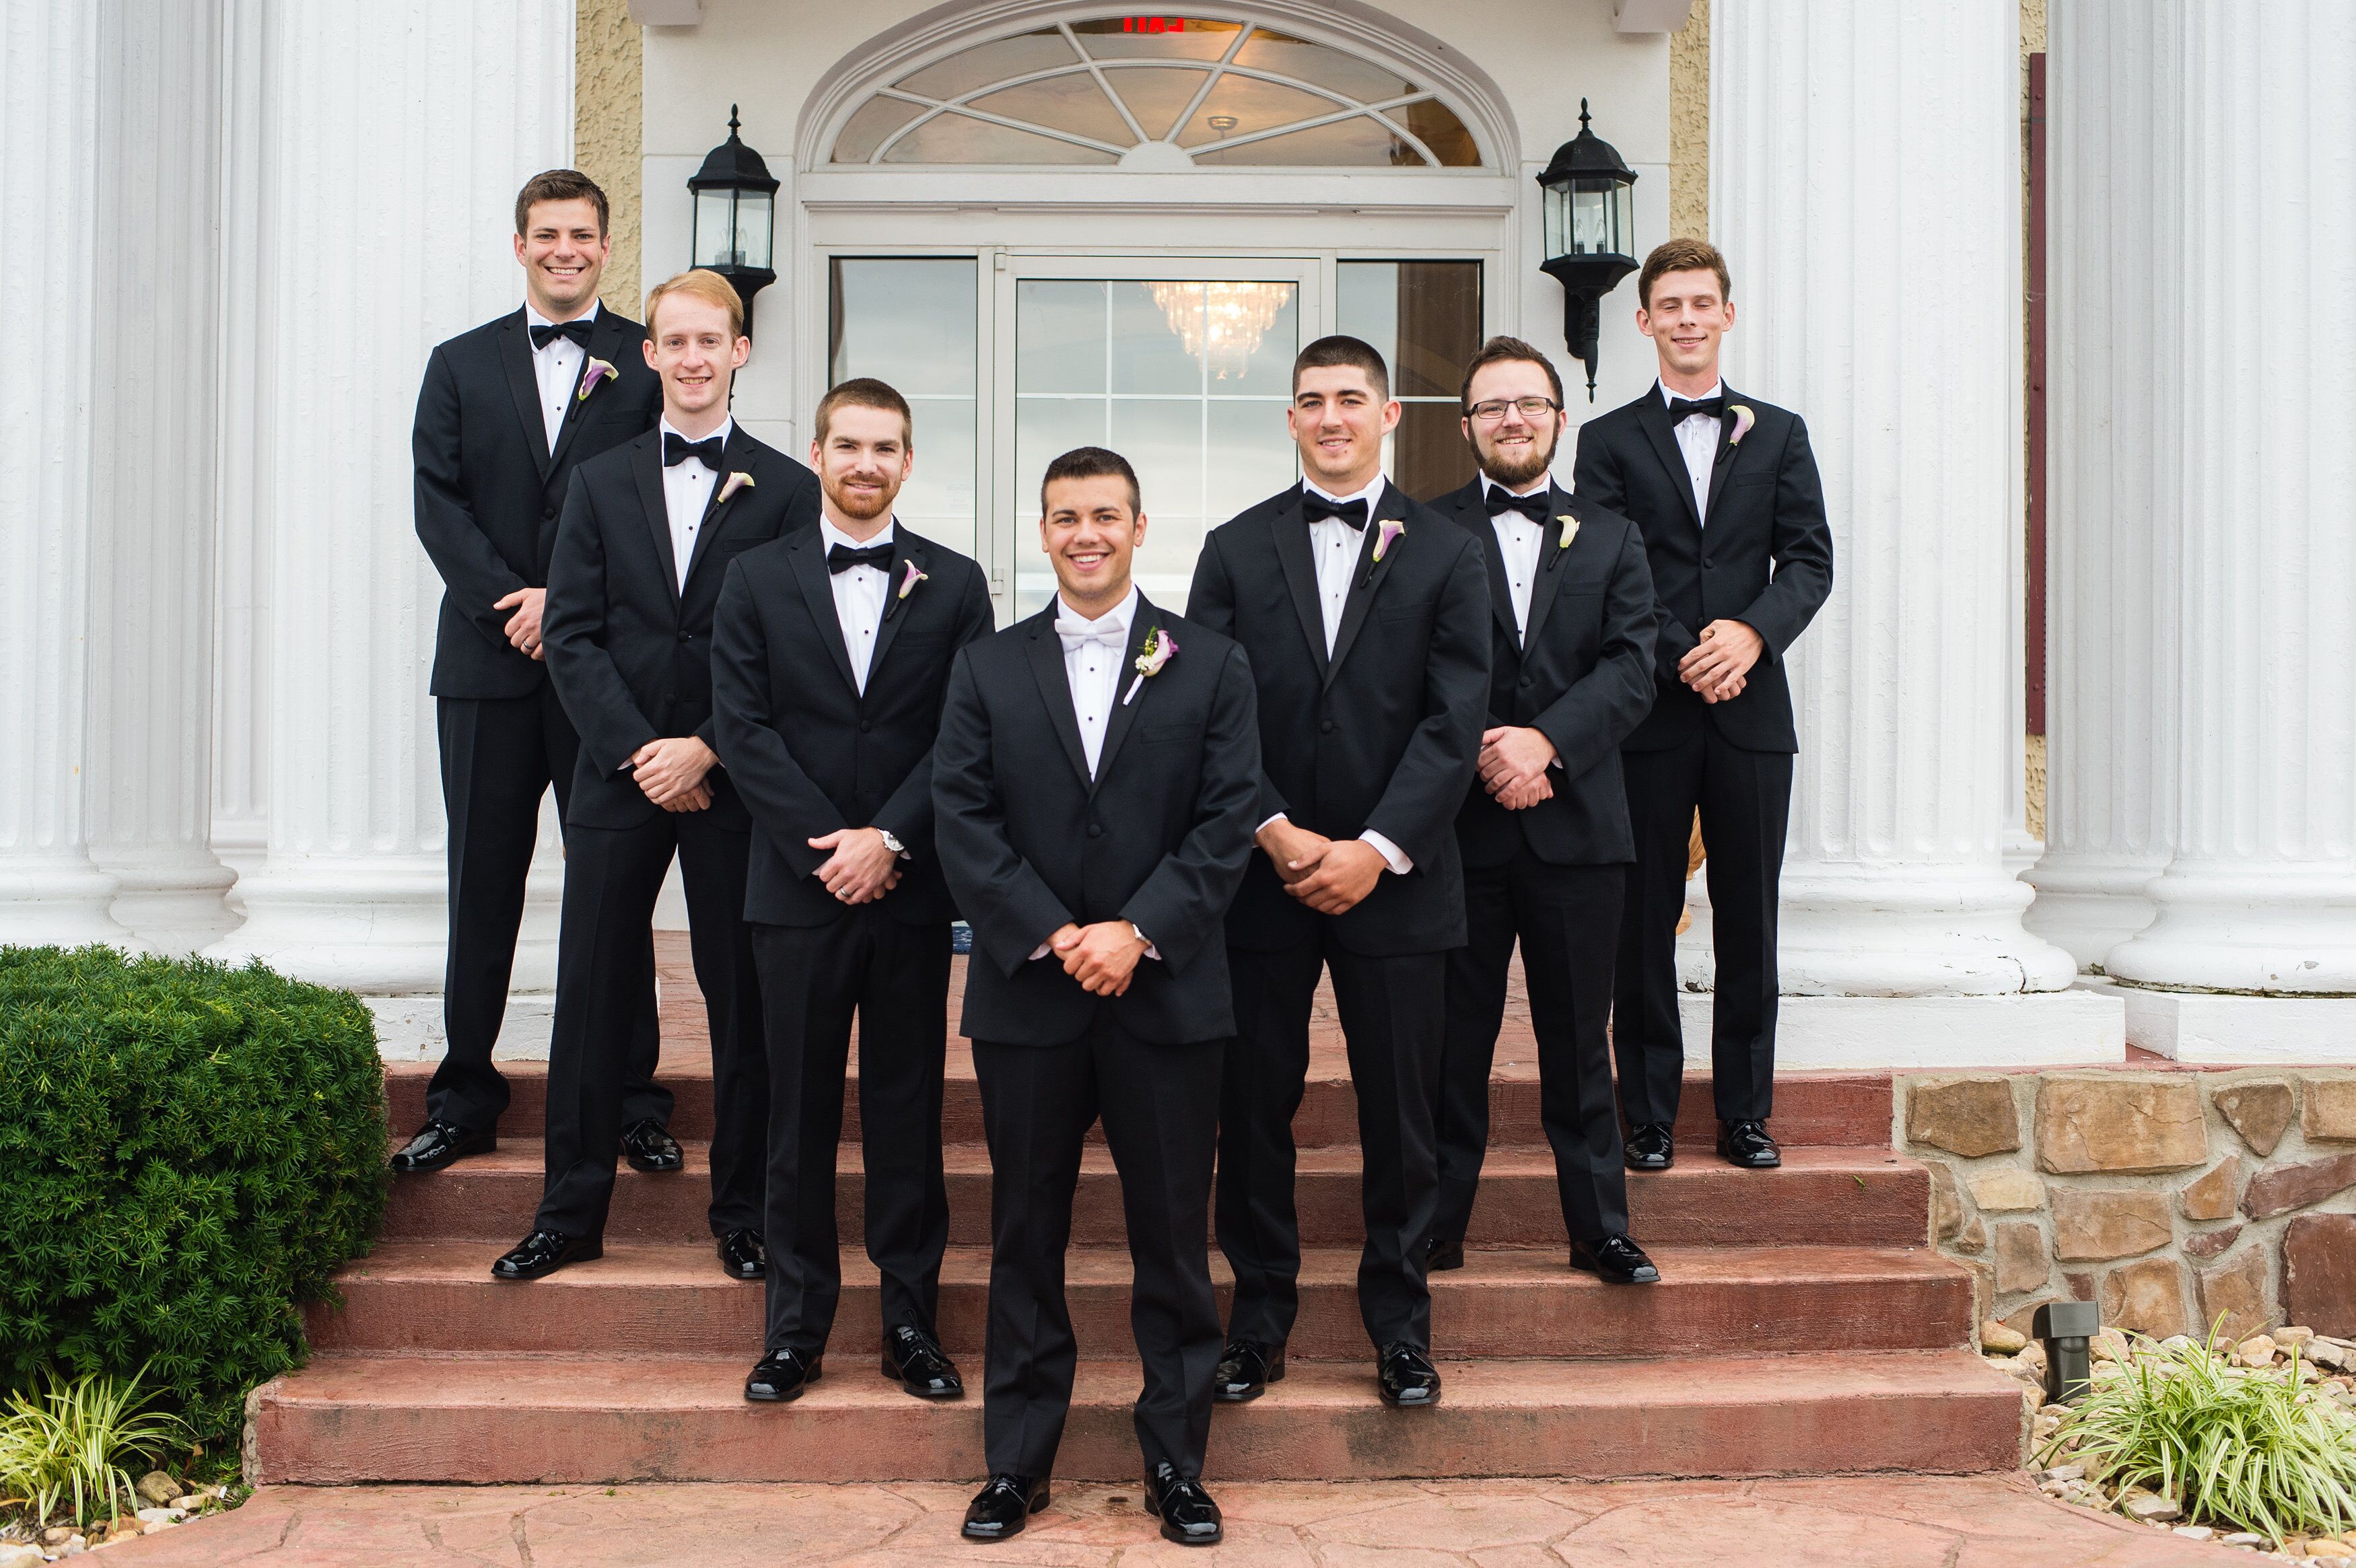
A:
x,y
229,232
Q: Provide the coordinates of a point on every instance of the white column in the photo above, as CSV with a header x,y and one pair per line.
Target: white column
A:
x,y
2115,427
152,491
49,195
2261,896
393,139
1864,183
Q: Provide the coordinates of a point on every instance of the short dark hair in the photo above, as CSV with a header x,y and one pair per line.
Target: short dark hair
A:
x,y
1682,256
559,185
1499,350
1091,463
866,392
1331,353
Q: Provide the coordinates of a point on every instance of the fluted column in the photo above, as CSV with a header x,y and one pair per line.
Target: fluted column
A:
x,y
393,139
2115,428
1865,184
49,889
2261,895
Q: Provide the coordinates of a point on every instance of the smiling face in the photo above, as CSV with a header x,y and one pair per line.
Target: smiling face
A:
x,y
562,250
1090,535
1514,449
690,346
1685,318
1339,422
862,462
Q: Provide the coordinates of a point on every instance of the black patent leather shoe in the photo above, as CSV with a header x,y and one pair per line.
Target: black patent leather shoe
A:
x,y
1615,1259
1003,1506
1747,1144
743,1255
1649,1148
781,1375
1188,1515
1246,1369
648,1146
545,1252
1406,1376
913,1360
437,1143
1440,1256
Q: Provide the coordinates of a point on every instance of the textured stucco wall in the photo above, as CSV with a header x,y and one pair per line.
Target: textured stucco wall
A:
x,y
608,118
1689,126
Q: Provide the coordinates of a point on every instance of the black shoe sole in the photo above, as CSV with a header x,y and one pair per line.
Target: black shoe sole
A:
x,y
488,1145
589,1254
893,1374
969,1533
656,1167
816,1370
1424,1404
1774,1164
1445,1259
1176,1536
1648,1166
1588,1267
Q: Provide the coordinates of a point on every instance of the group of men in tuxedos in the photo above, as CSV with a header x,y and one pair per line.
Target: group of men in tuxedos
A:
x,y
1389,742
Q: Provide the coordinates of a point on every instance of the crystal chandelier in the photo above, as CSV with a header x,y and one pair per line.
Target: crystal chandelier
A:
x,y
1221,323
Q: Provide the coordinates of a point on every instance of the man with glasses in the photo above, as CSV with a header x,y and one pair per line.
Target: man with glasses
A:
x,y
1545,838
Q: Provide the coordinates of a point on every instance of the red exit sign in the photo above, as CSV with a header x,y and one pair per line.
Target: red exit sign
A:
x,y
1154,24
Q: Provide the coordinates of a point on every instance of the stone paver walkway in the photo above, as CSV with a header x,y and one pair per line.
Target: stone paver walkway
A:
x,y
1983,1521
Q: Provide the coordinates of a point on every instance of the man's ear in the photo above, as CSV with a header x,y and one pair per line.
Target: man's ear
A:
x,y
647,347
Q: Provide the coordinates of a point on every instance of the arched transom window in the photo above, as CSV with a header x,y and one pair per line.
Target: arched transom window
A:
x,y
1159,91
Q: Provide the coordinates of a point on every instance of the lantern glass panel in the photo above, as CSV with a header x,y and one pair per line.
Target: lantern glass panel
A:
x,y
1557,222
716,226
755,228
1591,222
1624,221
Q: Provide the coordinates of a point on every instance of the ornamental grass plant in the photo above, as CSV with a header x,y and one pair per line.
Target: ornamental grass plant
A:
x,y
67,1454
188,1153
2254,1450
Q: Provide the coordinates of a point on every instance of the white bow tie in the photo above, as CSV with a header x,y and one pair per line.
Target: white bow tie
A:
x,y
1079,634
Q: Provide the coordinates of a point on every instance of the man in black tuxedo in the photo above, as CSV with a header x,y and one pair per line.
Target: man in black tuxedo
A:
x,y
829,653
1726,492
1366,619
1096,783
648,532
1546,836
506,412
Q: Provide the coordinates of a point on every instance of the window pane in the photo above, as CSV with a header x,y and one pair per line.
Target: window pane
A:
x,y
1156,37
1429,454
1358,144
1163,439
877,118
1253,105
993,61
1303,61
910,321
1425,318
955,139
1044,429
1251,454
1157,95
1060,347
1254,331
1072,103
1437,126
1152,325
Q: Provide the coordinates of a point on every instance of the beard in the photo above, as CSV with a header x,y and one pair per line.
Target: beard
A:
x,y
862,507
1515,471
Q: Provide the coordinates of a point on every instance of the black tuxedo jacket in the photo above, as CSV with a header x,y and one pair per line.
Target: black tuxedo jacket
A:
x,y
629,650
1159,837
1385,734
809,754
1582,677
489,491
1765,557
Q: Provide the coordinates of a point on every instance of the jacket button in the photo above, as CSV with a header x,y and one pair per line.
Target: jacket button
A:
x,y
1706,563
1325,727
546,513
1529,681
1096,829
687,636
865,725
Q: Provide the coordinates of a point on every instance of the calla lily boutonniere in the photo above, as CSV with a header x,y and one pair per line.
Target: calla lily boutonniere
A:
x,y
736,482
1743,419
1568,531
909,579
1391,529
1160,647
598,370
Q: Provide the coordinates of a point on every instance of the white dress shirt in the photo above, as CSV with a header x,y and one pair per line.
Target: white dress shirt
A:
x,y
1092,667
687,492
1697,439
1520,543
860,595
557,369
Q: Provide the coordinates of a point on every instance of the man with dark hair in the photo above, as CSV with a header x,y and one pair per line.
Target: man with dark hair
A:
x,y
1725,490
508,412
1094,784
1545,835
830,653
1366,618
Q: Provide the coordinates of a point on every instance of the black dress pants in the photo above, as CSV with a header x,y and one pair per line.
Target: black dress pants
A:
x,y
1567,919
895,977
612,879
499,755
1393,1016
1745,800
1161,1110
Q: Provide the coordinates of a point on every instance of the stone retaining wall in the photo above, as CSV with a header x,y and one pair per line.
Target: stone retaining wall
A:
x,y
2172,1197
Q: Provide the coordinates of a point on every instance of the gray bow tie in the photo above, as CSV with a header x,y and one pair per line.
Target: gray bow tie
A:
x,y
1079,634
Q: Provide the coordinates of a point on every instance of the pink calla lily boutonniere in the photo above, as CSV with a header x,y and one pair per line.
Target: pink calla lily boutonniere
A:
x,y
1160,647
1743,419
1391,529
909,579
738,480
597,371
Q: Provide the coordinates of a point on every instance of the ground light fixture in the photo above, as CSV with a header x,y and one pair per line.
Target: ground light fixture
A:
x,y
1591,233
735,218
2067,1327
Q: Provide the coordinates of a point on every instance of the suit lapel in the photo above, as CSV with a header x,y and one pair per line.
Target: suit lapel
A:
x,y
736,457
1055,691
1723,461
523,385
1292,534
1366,580
605,343
1653,415
1124,714
1549,583
646,465
904,551
808,554
1473,511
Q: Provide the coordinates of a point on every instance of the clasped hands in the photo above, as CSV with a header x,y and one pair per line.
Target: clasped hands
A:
x,y
670,771
1330,876
862,867
1513,763
1719,662
1102,957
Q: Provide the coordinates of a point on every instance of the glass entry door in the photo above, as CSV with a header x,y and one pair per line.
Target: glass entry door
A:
x,y
1184,367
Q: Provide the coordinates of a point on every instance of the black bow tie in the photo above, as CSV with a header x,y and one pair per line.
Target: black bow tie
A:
x,y
842,557
1316,508
1683,408
578,330
1533,506
677,449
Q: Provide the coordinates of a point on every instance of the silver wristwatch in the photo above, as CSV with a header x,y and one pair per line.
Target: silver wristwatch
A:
x,y
891,843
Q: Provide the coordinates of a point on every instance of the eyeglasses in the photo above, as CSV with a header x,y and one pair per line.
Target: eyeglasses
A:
x,y
1533,409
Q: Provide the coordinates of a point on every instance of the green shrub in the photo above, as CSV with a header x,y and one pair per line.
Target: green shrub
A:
x,y
188,1152
76,1445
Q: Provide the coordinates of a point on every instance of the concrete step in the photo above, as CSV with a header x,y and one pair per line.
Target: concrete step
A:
x,y
673,1299
1827,1195
1846,1109
575,1420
